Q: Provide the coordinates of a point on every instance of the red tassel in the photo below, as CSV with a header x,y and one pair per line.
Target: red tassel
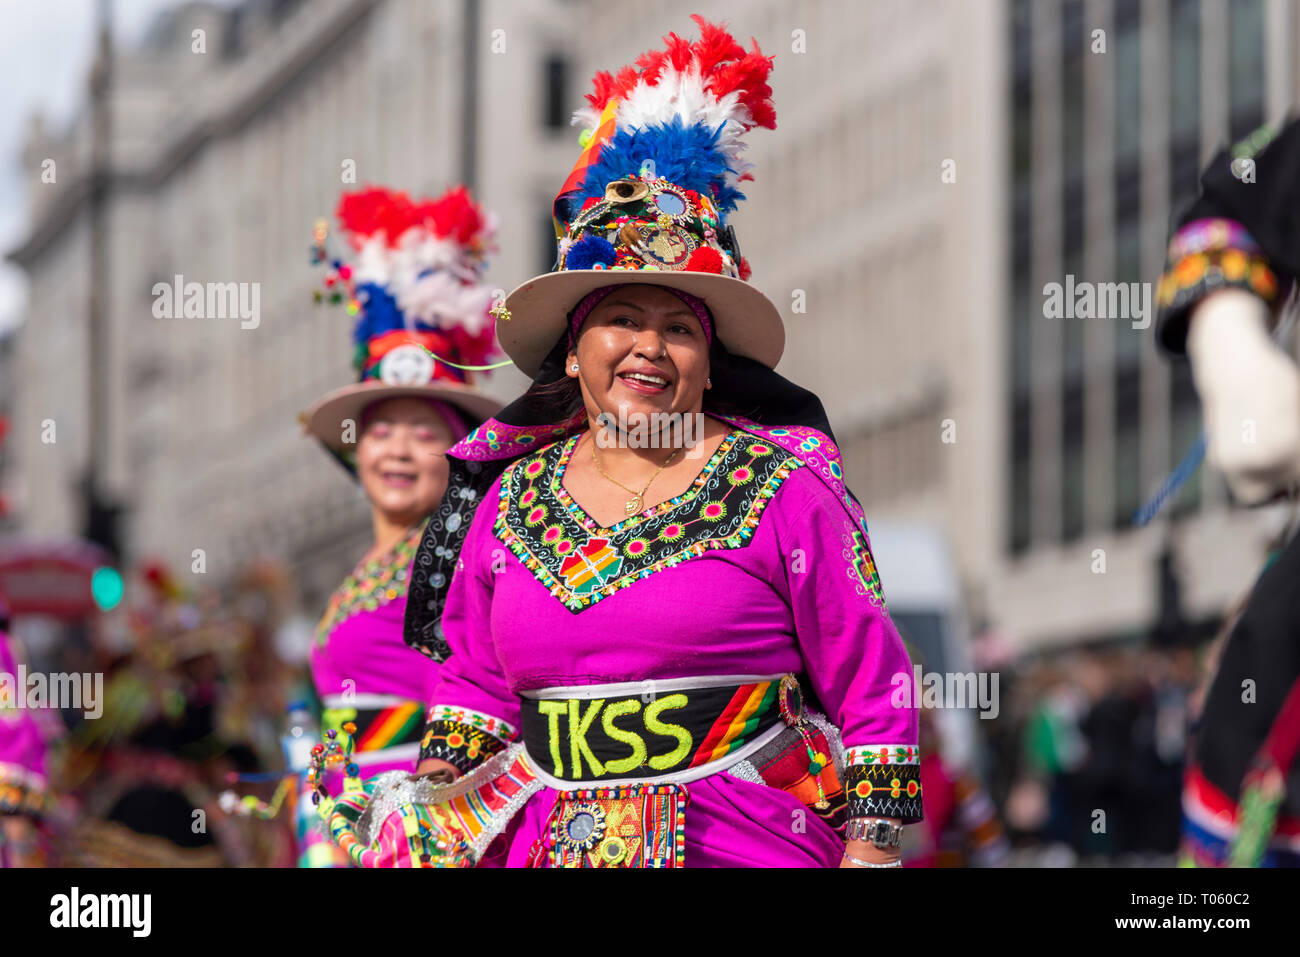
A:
x,y
704,259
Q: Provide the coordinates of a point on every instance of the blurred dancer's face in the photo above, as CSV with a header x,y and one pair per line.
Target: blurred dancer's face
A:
x,y
644,349
401,458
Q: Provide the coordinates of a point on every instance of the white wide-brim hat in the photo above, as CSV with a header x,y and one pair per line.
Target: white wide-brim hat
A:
x,y
326,417
535,314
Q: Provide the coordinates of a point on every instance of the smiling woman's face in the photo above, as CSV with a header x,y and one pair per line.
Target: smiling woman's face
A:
x,y
400,458
644,349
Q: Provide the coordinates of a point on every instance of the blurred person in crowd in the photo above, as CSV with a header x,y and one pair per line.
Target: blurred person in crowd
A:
x,y
1232,265
961,827
422,327
675,582
144,777
24,788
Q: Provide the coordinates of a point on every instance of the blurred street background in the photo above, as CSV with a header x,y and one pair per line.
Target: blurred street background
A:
x,y
936,163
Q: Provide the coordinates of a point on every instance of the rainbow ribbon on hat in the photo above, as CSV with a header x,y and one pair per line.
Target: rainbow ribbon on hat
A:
x,y
605,128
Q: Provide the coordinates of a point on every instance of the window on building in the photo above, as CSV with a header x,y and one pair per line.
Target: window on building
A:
x,y
1184,179
1185,69
1025,303
1245,66
1073,49
555,90
1128,342
1128,79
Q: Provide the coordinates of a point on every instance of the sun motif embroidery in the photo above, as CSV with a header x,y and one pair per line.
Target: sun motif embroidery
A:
x,y
593,565
862,567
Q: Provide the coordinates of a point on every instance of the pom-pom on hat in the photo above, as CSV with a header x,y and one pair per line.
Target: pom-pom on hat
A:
x,y
647,202
423,324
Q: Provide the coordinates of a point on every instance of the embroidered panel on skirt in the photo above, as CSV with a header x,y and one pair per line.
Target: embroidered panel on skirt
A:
x,y
642,825
582,562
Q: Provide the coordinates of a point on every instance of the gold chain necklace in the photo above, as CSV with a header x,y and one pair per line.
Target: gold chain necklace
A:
x,y
635,503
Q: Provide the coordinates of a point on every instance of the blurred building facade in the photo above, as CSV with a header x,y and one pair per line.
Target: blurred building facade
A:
x,y
1106,143
935,164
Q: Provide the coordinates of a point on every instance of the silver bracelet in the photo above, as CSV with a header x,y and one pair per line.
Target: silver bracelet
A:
x,y
878,830
861,863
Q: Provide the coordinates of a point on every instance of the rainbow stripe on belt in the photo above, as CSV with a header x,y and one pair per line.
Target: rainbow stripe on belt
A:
x,y
674,730
378,727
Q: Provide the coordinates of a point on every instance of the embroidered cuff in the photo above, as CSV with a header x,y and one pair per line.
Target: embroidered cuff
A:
x,y
1204,256
883,780
22,791
464,738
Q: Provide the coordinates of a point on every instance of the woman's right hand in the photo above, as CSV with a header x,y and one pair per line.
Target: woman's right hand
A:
x,y
429,765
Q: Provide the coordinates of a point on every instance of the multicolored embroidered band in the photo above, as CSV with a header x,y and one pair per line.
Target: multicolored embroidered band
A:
x,y
459,744
1211,821
884,780
641,825
464,737
22,791
1211,254
668,730
393,820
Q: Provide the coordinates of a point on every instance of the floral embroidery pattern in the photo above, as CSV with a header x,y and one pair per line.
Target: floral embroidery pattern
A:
x,y
459,744
581,562
485,722
862,567
371,585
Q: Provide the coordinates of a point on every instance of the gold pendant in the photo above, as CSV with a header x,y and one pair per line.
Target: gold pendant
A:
x,y
633,505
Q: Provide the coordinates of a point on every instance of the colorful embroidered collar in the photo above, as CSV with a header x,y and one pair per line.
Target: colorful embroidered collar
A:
x,y
372,584
582,562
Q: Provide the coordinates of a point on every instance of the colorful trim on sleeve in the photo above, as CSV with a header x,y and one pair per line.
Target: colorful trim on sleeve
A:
x,y
1207,255
464,738
22,791
884,780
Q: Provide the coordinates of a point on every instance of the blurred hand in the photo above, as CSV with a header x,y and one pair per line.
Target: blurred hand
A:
x,y
1250,391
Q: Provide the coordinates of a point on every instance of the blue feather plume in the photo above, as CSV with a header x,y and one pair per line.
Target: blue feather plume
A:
x,y
379,313
685,155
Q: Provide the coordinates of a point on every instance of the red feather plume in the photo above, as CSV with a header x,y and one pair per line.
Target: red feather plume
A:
x,y
723,62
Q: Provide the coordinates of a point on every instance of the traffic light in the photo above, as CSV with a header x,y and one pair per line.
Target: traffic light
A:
x,y
106,587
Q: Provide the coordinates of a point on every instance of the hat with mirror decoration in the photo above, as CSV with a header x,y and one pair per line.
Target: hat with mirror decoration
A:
x,y
648,200
423,325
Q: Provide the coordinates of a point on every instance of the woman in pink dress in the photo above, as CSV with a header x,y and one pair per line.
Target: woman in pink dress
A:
x,y
23,789
666,561
422,320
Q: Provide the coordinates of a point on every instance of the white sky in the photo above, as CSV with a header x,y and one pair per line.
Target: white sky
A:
x,y
45,50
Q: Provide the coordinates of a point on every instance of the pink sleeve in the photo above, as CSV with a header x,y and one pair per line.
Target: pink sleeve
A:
x,y
472,713
22,746
854,657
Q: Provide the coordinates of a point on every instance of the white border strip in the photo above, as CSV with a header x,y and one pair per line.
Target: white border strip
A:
x,y
359,701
